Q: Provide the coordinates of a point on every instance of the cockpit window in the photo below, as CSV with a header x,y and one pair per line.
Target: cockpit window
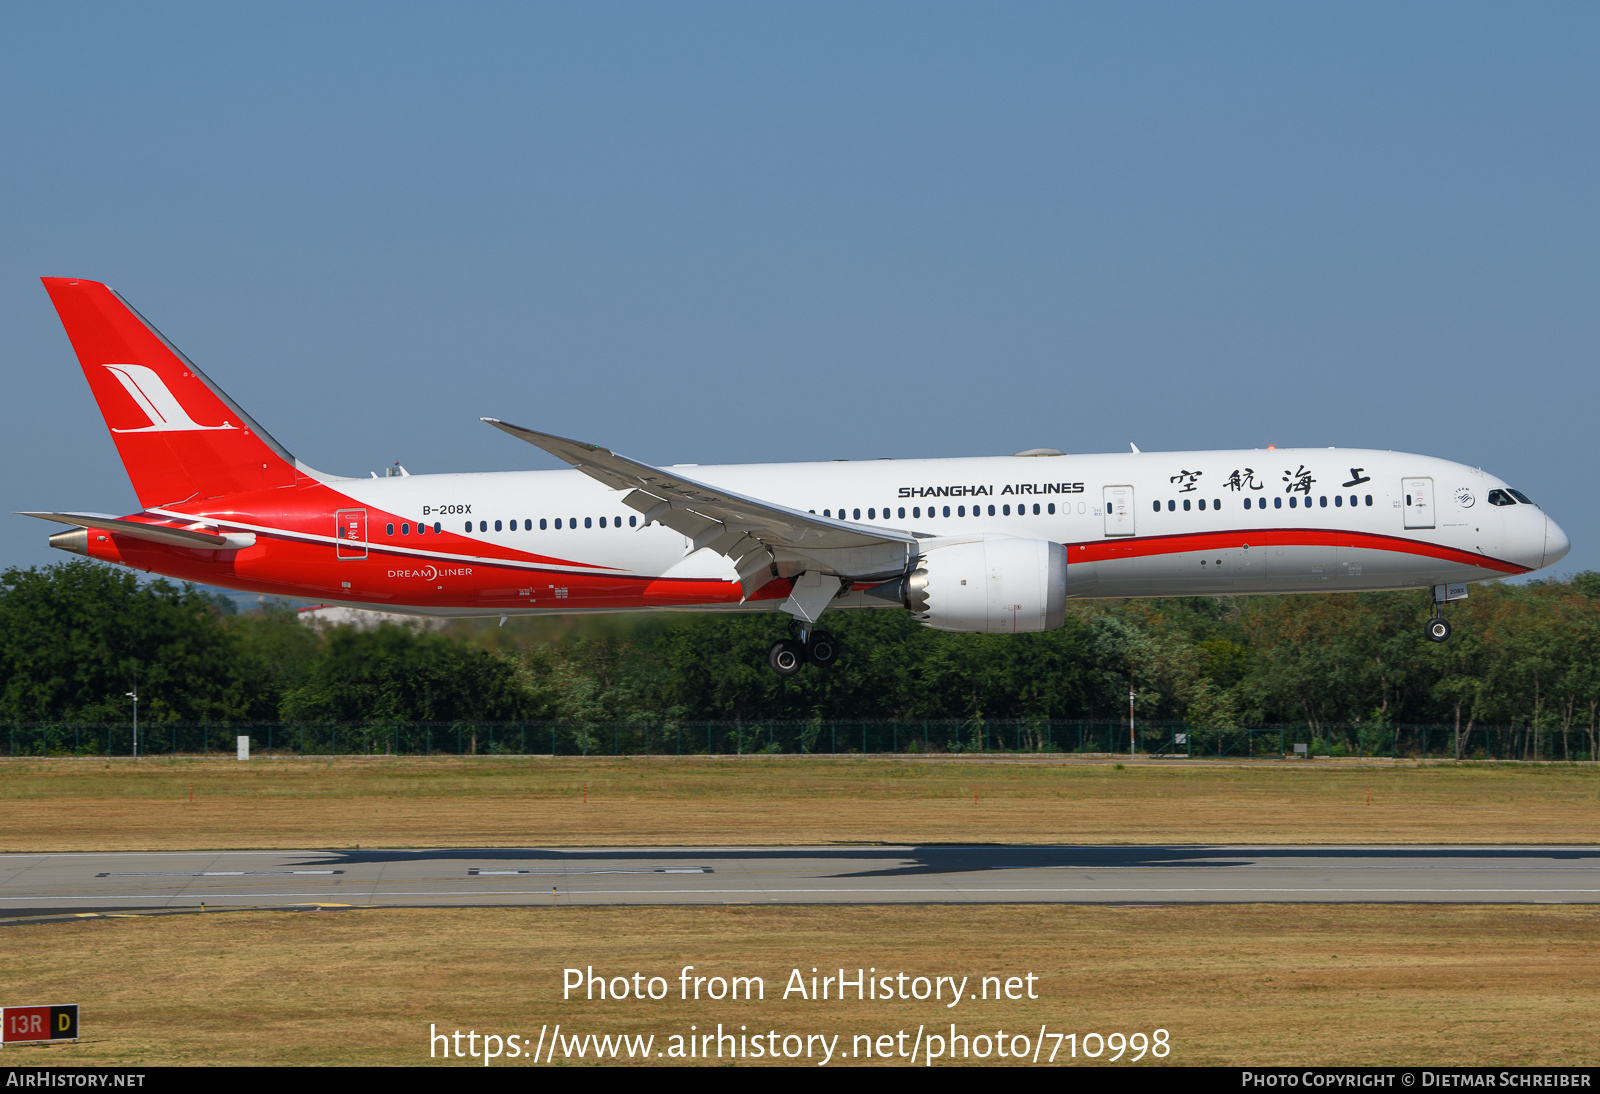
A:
x,y
1500,497
1520,496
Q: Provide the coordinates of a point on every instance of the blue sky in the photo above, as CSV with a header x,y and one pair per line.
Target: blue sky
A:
x,y
727,233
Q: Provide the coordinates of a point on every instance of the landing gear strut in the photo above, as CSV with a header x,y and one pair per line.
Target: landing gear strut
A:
x,y
1438,630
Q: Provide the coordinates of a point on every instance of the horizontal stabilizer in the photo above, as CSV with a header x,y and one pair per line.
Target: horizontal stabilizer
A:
x,y
174,537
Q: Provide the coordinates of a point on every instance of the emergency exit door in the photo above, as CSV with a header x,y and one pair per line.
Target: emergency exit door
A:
x,y
1119,510
1418,502
352,533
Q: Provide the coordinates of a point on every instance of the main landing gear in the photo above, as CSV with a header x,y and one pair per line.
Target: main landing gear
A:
x,y
789,655
1438,629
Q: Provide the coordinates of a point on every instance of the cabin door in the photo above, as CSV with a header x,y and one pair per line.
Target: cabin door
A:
x,y
352,533
1419,502
1119,510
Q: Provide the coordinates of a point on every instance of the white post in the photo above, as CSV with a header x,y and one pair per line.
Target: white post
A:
x,y
1131,745
244,748
134,695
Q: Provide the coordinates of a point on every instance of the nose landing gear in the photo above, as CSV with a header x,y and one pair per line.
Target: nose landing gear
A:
x,y
1437,629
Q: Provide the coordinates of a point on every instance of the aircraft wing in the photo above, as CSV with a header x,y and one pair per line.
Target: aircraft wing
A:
x,y
764,540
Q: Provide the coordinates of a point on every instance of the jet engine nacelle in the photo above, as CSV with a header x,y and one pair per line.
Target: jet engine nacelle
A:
x,y
991,584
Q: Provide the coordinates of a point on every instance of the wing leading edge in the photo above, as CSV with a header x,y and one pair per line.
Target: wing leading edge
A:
x,y
764,540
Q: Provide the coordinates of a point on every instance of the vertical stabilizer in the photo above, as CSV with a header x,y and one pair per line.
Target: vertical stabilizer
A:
x,y
180,437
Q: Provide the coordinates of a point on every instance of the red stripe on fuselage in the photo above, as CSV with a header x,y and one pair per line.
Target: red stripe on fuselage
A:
x,y
1103,550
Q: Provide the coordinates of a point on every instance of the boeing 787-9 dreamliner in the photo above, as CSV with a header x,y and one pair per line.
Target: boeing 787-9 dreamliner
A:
x,y
994,544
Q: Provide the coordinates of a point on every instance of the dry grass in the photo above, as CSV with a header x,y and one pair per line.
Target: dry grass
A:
x,y
1242,984
64,805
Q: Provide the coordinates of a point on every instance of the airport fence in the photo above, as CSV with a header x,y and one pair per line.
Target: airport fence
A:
x,y
1164,739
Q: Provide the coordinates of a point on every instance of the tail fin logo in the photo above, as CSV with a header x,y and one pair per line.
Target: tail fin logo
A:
x,y
151,393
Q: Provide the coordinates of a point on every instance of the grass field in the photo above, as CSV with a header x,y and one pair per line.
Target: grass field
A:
x,y
62,805
1242,984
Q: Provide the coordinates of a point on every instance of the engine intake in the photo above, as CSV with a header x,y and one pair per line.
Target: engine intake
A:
x,y
990,584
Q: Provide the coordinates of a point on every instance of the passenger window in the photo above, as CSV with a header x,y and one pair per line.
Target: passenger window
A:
x,y
1322,500
1036,509
421,528
469,526
483,526
916,511
1338,499
1052,509
1171,505
632,521
558,524
991,510
902,512
961,510
1202,505
1369,499
1293,501
1277,503
436,528
947,510
857,514
497,526
602,522
588,522
389,529
405,529
1156,505
543,525
1216,503
1185,505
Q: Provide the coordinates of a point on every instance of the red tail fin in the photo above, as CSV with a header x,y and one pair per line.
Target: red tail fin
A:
x,y
179,435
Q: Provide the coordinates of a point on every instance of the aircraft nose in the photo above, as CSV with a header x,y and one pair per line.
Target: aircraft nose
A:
x,y
1556,543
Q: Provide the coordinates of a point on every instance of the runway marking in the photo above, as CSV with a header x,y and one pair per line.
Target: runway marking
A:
x,y
477,872
225,873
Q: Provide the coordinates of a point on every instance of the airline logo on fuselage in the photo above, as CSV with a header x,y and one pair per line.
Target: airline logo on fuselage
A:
x,y
166,415
979,491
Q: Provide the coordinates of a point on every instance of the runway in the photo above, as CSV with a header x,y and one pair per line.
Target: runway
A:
x,y
32,885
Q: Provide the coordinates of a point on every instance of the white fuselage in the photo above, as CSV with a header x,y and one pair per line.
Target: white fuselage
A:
x,y
1136,524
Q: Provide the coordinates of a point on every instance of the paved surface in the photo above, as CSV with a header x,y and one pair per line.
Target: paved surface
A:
x,y
33,885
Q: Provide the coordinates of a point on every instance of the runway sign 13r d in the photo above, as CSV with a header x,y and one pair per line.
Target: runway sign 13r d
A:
x,y
39,1023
